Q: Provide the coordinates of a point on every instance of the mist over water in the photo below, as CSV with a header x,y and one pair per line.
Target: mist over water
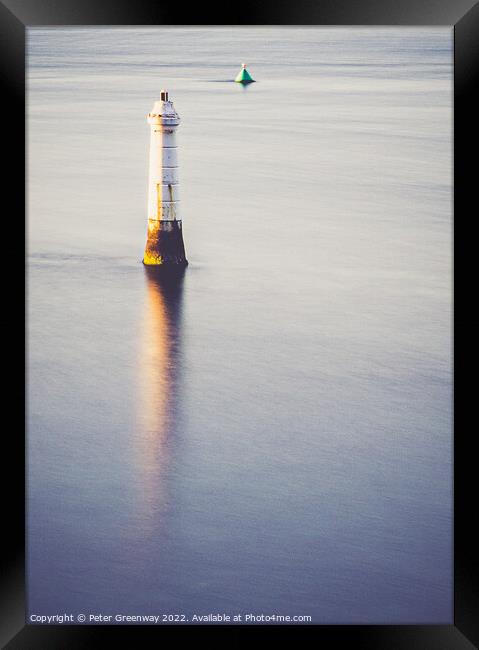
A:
x,y
272,434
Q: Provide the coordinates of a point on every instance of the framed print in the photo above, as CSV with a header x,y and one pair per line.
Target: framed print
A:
x,y
246,265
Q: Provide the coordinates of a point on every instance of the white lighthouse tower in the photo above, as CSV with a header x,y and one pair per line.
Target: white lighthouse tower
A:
x,y
164,245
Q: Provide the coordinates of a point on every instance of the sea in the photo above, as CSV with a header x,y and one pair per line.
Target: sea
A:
x,y
271,435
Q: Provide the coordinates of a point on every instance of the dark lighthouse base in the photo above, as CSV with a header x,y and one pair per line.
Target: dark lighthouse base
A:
x,y
165,249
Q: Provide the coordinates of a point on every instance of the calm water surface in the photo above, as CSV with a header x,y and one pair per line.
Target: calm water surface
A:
x,y
273,435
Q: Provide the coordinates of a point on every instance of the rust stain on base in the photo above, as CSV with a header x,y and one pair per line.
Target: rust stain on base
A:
x,y
164,245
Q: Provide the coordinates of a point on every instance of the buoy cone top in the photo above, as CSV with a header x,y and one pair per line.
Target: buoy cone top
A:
x,y
244,76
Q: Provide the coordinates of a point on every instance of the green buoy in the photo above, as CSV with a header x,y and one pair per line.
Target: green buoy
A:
x,y
244,76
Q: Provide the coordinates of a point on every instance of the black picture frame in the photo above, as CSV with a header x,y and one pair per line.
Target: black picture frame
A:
x,y
463,15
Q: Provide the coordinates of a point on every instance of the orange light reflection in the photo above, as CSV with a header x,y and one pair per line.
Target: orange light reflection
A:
x,y
159,359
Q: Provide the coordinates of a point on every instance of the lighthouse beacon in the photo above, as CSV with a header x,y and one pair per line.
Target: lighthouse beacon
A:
x,y
164,245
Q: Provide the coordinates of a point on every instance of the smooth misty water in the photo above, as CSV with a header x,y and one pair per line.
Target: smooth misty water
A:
x,y
275,435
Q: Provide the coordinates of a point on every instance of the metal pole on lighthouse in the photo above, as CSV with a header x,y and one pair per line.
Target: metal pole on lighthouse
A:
x,y
164,245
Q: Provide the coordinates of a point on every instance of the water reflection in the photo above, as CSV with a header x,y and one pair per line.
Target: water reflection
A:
x,y
159,363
